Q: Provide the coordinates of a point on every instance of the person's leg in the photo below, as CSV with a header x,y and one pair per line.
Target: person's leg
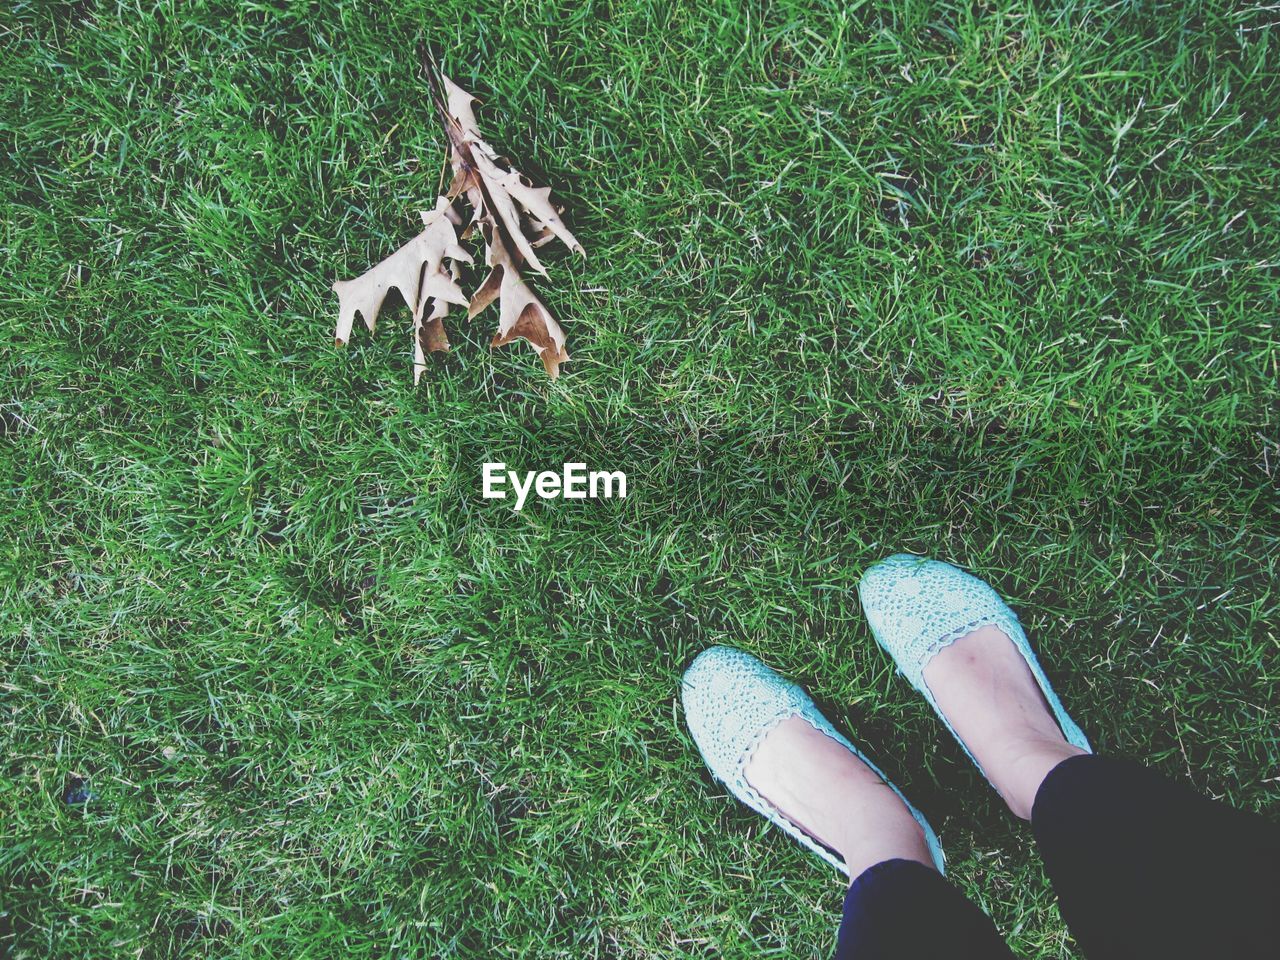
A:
x,y
1146,867
1142,867
834,797
763,737
985,690
903,910
898,905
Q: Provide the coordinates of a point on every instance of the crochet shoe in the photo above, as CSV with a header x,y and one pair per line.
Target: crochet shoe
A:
x,y
916,607
731,703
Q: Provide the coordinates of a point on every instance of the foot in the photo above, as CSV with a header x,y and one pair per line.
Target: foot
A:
x,y
834,797
765,739
984,688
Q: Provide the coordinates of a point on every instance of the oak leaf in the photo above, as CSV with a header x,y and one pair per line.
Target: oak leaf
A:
x,y
513,216
417,270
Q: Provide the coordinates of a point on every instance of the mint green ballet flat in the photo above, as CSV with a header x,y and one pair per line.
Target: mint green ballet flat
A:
x,y
917,606
731,703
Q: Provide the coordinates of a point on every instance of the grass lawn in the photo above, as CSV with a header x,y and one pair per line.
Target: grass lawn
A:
x,y
999,287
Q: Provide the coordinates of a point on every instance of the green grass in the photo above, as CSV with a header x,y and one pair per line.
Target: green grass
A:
x,y
999,287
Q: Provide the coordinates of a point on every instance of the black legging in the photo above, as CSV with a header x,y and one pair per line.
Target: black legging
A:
x,y
1143,868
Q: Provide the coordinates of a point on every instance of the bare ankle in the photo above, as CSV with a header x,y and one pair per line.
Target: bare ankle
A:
x,y
986,691
1022,773
827,792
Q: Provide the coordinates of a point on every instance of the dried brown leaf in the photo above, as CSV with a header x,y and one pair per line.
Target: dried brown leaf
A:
x,y
514,216
520,313
415,270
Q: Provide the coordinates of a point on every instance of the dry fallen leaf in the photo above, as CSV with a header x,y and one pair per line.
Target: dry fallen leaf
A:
x,y
416,270
520,313
513,216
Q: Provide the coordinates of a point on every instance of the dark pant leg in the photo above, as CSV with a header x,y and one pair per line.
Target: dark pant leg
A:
x,y
902,910
1148,868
